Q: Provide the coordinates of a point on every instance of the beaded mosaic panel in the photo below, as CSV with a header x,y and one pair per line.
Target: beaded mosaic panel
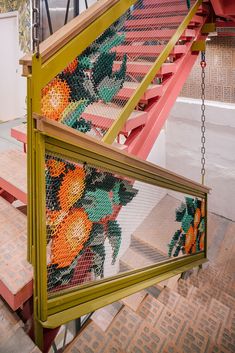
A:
x,y
190,237
89,94
82,203
99,223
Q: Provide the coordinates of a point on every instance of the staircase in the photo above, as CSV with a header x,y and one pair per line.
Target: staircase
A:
x,y
189,315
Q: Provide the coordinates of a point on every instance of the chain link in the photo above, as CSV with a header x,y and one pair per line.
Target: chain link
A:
x,y
36,26
203,117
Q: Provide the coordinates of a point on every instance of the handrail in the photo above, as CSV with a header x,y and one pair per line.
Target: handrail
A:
x,y
135,98
99,149
61,37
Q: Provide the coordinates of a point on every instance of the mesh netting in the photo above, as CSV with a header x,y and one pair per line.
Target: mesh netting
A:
x,y
100,223
92,90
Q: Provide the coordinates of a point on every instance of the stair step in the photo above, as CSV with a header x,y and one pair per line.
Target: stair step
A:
x,y
208,324
13,174
141,68
20,133
130,87
170,324
103,115
13,337
161,21
133,301
149,251
16,285
147,50
161,2
156,34
150,310
169,298
157,10
104,316
158,227
134,258
123,328
192,340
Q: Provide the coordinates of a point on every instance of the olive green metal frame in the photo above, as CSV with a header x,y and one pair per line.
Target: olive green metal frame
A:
x,y
54,310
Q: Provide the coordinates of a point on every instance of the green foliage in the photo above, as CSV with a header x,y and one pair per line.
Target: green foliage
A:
x,y
173,242
180,212
114,236
98,260
190,205
186,222
126,192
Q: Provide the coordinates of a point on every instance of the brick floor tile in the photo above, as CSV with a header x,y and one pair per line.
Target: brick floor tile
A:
x,y
169,298
91,340
227,300
183,287
219,310
146,340
170,347
171,324
215,348
124,327
192,341
150,309
188,309
208,324
226,339
200,298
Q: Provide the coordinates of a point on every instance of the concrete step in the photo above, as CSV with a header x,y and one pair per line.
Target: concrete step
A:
x,y
13,174
159,226
134,259
16,275
104,316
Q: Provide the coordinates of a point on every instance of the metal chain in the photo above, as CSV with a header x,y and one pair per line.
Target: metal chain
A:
x,y
36,26
203,117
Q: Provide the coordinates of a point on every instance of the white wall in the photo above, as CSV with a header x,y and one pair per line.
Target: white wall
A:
x,y
12,85
183,143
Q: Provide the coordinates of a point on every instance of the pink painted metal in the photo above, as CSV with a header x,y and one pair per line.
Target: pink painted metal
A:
x,y
20,134
157,34
159,109
127,91
224,8
141,68
147,50
155,11
156,22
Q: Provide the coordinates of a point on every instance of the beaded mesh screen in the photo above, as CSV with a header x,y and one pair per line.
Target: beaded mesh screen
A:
x,y
92,90
100,224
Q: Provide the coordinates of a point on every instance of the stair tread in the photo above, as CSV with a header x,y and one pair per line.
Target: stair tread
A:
x,y
135,259
13,173
143,67
103,115
154,11
20,133
164,21
15,272
129,88
158,234
13,337
148,50
156,34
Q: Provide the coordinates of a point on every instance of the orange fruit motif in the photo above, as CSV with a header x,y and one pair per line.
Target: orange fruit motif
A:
x,y
55,167
203,208
190,240
71,67
72,188
197,217
55,98
202,241
69,239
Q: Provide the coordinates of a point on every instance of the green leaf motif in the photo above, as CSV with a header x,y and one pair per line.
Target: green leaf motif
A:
x,y
186,222
180,212
98,260
114,237
97,204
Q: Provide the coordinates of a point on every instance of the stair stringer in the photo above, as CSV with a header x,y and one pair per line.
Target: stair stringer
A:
x,y
159,110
